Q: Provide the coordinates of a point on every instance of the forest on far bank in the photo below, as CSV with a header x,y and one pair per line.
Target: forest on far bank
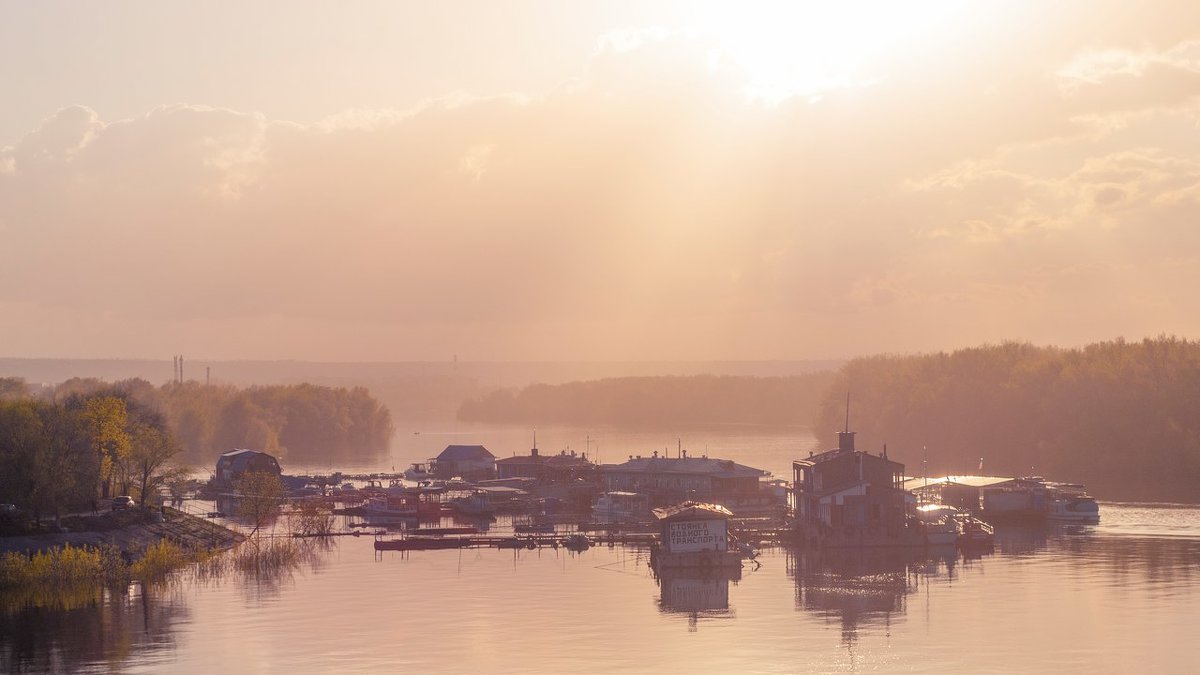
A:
x,y
676,400
301,423
1121,417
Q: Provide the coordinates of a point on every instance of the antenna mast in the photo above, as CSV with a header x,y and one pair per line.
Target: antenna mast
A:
x,y
847,412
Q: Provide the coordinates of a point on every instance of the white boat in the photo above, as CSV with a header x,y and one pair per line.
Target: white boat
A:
x,y
939,523
418,472
620,506
389,507
1070,503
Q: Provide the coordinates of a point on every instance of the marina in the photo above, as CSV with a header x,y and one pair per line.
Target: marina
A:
x,y
1119,597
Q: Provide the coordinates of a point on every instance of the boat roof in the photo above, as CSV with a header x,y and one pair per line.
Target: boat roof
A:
x,y
692,511
709,466
968,481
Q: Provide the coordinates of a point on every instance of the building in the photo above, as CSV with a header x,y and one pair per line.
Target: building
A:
x,y
670,480
471,462
693,534
851,494
561,468
233,464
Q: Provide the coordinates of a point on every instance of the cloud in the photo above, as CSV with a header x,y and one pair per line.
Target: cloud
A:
x,y
646,209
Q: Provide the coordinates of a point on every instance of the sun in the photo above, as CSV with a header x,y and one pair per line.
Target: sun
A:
x,y
804,48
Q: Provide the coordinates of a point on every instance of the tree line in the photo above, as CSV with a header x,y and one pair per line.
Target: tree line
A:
x,y
57,456
1122,417
694,400
300,422
86,439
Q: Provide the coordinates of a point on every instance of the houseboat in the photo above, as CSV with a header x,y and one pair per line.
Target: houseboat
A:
x,y
620,506
693,535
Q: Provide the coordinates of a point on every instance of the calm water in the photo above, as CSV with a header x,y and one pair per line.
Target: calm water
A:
x,y
769,448
1123,596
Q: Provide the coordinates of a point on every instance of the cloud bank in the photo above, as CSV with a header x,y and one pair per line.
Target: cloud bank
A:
x,y
646,210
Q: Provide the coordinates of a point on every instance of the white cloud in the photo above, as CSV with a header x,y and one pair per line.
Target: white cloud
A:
x,y
646,210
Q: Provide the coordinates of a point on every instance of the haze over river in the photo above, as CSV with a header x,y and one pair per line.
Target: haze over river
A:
x,y
1122,596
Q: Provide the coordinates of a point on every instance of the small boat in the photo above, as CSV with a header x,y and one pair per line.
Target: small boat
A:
x,y
1070,502
619,506
939,524
576,542
418,471
973,533
475,504
383,507
1074,509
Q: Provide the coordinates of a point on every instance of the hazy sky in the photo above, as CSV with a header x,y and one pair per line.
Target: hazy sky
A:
x,y
561,180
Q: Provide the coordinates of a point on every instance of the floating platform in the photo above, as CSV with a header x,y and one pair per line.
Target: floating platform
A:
x,y
700,560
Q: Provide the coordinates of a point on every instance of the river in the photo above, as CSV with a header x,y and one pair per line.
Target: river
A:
x,y
1122,596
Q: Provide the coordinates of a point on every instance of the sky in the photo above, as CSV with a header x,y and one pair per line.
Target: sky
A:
x,y
362,181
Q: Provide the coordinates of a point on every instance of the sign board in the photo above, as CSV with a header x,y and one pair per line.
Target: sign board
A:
x,y
696,535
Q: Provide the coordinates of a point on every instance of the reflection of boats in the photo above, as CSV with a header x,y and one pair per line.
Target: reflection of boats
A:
x,y
939,523
620,506
692,590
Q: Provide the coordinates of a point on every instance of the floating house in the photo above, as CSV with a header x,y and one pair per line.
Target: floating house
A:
x,y
694,535
670,480
472,462
560,468
849,497
233,464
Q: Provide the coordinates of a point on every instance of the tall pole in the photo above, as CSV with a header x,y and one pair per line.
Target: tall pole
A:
x,y
847,412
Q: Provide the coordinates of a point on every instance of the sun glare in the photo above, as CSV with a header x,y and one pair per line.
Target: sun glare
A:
x,y
804,48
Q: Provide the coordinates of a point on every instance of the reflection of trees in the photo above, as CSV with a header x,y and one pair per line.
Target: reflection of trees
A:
x,y
85,628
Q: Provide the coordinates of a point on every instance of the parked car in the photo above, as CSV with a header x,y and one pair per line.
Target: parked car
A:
x,y
122,502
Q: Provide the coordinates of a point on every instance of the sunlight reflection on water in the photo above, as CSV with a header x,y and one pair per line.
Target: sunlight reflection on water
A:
x,y
1104,599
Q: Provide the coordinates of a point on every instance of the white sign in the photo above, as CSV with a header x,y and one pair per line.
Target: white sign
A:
x,y
696,535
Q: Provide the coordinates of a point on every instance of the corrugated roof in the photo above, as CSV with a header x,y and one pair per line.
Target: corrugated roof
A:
x,y
707,466
691,510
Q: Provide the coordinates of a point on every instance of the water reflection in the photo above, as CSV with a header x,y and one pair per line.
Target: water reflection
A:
x,y
696,593
77,637
857,586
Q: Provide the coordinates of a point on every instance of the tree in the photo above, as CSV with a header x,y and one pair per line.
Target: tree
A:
x,y
106,417
260,496
152,449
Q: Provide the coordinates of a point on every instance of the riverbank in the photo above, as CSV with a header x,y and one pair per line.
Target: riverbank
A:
x,y
132,532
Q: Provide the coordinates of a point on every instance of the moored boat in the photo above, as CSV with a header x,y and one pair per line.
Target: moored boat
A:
x,y
618,506
973,533
1070,503
939,524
